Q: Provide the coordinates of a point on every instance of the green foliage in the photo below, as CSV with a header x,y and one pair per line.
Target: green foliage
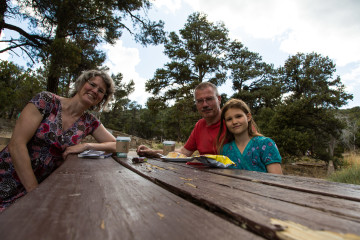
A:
x,y
196,55
256,82
179,120
151,125
64,34
306,119
17,87
340,163
349,175
350,138
123,114
310,76
296,105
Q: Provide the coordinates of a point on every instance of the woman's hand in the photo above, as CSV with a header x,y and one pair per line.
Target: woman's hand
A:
x,y
78,148
105,142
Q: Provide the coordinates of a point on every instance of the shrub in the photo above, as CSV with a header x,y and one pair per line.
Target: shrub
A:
x,y
348,175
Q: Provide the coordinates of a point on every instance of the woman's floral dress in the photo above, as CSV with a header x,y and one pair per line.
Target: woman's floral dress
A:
x,y
45,147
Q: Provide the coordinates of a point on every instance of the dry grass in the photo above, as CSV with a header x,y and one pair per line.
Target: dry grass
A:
x,y
305,167
350,173
352,158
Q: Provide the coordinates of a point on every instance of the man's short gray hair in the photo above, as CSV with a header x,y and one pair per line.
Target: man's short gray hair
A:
x,y
204,85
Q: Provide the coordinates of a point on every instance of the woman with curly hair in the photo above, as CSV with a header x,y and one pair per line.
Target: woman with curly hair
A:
x,y
49,128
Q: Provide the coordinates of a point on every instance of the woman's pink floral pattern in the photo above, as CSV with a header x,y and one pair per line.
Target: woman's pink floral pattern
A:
x,y
45,148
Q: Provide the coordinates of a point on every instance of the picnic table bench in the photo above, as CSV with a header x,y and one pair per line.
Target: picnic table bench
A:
x,y
113,198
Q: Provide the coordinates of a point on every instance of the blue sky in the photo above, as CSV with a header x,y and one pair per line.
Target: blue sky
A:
x,y
276,29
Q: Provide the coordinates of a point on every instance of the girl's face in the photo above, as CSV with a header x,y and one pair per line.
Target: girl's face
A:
x,y
237,121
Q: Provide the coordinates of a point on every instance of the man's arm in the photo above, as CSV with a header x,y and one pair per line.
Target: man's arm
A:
x,y
184,151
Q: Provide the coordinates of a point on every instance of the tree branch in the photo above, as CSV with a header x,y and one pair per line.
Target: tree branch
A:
x,y
13,47
29,55
36,39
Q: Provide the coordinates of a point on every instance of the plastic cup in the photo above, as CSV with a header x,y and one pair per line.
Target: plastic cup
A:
x,y
168,146
122,146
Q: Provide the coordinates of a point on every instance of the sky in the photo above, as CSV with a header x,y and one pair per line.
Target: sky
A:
x,y
276,29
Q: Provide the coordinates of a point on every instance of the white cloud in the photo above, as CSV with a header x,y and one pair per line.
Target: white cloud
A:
x,y
328,27
171,5
352,82
123,60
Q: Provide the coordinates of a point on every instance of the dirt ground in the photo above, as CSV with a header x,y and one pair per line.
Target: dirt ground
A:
x,y
316,170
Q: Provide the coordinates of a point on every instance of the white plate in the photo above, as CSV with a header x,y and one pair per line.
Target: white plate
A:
x,y
187,159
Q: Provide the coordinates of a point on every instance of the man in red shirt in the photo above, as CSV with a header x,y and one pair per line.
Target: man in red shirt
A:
x,y
203,136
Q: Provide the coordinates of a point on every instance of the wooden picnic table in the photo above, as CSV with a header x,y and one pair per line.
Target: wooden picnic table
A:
x,y
113,198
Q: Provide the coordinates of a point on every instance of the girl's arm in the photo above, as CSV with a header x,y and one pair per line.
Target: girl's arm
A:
x,y
105,142
25,128
274,168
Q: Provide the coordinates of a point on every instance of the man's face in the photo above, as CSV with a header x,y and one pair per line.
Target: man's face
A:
x,y
207,103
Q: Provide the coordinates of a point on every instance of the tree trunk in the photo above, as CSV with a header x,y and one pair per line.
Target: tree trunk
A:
x,y
52,82
3,8
332,144
11,113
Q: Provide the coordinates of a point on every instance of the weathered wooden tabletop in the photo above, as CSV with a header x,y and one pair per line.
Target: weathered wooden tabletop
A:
x,y
107,199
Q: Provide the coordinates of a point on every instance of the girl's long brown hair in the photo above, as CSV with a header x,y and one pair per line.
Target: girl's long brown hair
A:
x,y
252,128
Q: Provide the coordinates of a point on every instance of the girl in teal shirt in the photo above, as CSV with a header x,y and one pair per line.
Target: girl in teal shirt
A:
x,y
245,146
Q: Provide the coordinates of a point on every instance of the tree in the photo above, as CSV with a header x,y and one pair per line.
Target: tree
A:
x,y
196,55
306,120
254,81
244,65
122,114
60,30
351,134
17,87
311,76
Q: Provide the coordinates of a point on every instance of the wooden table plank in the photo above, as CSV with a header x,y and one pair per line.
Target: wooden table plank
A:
x,y
304,184
227,196
304,194
336,203
100,199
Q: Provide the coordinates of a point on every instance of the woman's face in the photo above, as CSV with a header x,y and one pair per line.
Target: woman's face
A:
x,y
237,121
93,90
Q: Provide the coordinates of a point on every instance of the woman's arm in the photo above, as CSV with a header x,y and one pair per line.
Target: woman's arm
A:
x,y
274,168
25,128
105,142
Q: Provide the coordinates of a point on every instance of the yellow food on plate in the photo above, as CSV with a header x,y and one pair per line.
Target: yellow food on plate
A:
x,y
175,155
215,160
